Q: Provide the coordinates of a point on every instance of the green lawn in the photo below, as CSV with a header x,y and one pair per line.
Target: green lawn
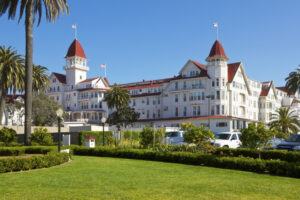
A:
x,y
112,178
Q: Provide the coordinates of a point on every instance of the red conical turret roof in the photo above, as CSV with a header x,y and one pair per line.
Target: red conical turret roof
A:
x,y
217,50
76,49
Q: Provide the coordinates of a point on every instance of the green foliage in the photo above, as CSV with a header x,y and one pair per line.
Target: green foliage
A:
x,y
123,117
241,163
255,136
293,81
16,151
117,98
199,136
132,135
187,126
35,162
8,135
41,136
149,137
44,110
108,137
285,122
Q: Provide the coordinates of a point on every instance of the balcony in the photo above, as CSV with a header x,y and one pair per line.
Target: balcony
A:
x,y
190,87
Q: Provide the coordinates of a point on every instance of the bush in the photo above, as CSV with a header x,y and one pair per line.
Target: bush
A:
x,y
16,151
277,167
132,135
41,136
8,135
108,137
35,162
148,134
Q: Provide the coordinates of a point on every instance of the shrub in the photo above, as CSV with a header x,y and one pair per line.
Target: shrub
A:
x,y
35,162
277,167
149,137
8,135
132,135
108,137
41,136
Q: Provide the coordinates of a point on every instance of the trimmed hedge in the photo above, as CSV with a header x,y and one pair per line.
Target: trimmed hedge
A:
x,y
35,162
109,139
290,156
16,151
277,167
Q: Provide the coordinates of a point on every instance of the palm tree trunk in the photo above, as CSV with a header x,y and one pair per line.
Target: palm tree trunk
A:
x,y
2,103
28,70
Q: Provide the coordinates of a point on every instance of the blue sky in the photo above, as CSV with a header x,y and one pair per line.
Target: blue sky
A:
x,y
152,39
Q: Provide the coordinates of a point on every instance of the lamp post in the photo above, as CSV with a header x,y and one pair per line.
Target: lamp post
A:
x,y
59,114
208,97
103,120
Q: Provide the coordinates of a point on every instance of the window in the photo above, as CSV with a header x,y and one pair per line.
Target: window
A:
x,y
148,114
100,104
223,82
218,95
176,97
54,80
184,84
212,95
217,82
57,98
221,124
194,110
184,111
184,97
74,94
218,109
154,100
234,137
212,110
176,85
198,110
223,109
147,100
158,100
213,83
176,112
80,77
133,102
58,88
203,95
158,113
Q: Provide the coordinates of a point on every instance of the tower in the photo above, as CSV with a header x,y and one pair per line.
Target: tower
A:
x,y
76,64
217,70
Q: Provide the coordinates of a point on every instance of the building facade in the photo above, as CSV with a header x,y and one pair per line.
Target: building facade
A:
x,y
218,95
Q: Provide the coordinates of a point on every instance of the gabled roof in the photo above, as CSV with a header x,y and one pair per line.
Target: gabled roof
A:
x,y
283,89
144,84
60,77
76,49
217,50
232,69
89,80
265,91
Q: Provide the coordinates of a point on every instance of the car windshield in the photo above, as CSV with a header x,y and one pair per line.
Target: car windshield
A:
x,y
222,136
293,138
172,134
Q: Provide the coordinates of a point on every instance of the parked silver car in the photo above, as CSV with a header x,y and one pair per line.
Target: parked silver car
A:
x,y
174,138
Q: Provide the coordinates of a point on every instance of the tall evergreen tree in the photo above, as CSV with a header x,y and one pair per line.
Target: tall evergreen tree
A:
x,y
33,9
293,81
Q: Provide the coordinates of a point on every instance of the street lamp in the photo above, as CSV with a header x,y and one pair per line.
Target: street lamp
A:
x,y
59,114
208,97
103,120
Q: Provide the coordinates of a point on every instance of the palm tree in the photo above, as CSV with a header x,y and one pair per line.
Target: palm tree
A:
x,y
117,98
293,81
40,78
11,75
285,121
32,8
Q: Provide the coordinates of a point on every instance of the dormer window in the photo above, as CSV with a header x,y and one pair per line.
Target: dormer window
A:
x,y
54,80
80,77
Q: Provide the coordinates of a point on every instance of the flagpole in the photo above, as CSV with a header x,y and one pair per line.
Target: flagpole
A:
x,y
105,71
218,31
75,31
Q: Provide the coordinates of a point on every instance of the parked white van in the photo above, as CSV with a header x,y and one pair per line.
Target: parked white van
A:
x,y
227,139
174,138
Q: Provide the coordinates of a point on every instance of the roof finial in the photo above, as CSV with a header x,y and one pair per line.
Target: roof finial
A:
x,y
216,24
74,26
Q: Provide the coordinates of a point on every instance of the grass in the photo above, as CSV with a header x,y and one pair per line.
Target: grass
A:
x,y
112,178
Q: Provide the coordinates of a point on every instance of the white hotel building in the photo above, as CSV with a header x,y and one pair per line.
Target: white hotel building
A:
x,y
218,95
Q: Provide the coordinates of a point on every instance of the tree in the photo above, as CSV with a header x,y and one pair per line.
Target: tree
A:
x,y
11,75
117,98
126,116
255,136
40,79
198,136
44,110
285,121
186,126
293,81
32,8
41,136
8,135
151,137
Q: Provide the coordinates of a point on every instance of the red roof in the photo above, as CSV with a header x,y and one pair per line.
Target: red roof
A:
x,y
217,50
60,77
88,80
76,49
199,65
283,89
106,81
89,138
265,91
232,69
143,86
101,89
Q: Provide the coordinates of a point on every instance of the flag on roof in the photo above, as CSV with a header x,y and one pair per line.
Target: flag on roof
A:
x,y
102,65
74,26
215,24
